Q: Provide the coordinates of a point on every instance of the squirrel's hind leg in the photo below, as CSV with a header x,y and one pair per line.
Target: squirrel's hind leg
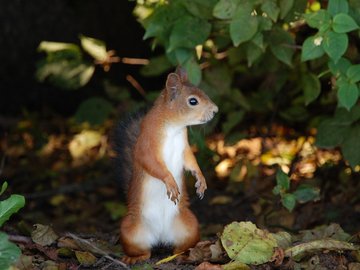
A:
x,y
136,249
186,229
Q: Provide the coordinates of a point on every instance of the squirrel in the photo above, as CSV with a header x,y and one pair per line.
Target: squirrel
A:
x,y
153,151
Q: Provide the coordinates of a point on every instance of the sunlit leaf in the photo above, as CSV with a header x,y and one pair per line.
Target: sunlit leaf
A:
x,y
95,47
10,206
85,258
50,47
83,142
245,243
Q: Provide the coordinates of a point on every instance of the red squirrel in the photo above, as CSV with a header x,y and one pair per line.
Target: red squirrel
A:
x,y
159,151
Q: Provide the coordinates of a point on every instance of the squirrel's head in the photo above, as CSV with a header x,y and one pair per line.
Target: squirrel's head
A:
x,y
188,104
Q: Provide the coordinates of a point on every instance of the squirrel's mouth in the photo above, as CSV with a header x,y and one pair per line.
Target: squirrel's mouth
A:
x,y
207,117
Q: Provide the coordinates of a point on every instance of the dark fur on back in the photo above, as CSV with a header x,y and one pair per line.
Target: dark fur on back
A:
x,y
125,136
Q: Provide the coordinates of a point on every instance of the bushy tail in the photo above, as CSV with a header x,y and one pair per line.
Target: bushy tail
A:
x,y
124,139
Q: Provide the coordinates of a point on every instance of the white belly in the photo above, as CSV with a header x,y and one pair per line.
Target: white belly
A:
x,y
158,211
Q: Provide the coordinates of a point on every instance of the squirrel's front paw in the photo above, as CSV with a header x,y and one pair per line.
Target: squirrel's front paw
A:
x,y
200,187
172,191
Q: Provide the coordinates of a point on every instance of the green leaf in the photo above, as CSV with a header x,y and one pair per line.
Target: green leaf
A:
x,y
157,66
183,55
331,133
271,9
242,17
343,23
311,48
200,8
312,87
233,119
318,19
281,45
348,94
188,32
244,242
51,47
65,73
94,110
339,68
253,53
282,179
161,21
193,70
96,48
335,45
338,6
288,201
305,193
285,7
276,190
351,145
353,73
3,187
225,9
9,252
10,206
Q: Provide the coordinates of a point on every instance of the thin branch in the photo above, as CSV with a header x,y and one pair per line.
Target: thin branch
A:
x,y
96,249
136,85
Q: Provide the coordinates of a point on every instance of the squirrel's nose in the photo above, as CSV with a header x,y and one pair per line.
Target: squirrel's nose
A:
x,y
215,109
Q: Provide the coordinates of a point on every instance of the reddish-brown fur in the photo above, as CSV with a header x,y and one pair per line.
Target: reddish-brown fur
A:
x,y
170,107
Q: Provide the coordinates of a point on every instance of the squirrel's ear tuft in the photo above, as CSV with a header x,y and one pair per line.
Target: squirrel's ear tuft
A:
x,y
182,74
173,86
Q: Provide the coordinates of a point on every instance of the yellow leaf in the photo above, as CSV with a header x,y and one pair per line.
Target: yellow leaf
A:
x,y
168,259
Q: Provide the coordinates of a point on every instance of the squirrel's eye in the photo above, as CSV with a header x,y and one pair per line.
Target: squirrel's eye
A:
x,y
193,101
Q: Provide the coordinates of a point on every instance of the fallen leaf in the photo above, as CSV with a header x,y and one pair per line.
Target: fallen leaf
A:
x,y
354,266
217,251
298,251
66,242
221,199
85,258
245,243
333,231
278,256
200,252
49,265
209,266
235,266
283,239
24,262
43,235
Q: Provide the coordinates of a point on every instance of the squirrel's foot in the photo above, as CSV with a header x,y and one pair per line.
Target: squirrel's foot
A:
x,y
135,259
200,187
172,190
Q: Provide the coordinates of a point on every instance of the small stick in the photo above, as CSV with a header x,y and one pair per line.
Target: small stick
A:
x,y
136,85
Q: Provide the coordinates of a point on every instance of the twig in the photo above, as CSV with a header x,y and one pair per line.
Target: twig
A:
x,y
136,85
135,61
20,239
98,250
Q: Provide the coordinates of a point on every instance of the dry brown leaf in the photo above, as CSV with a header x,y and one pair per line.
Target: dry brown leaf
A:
x,y
43,235
278,256
208,266
66,242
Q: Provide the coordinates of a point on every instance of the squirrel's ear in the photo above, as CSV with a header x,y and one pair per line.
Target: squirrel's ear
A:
x,y
182,74
173,86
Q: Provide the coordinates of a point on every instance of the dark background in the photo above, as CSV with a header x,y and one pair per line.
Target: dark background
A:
x,y
24,24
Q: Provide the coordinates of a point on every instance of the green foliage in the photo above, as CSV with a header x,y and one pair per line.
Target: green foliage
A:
x,y
260,38
302,194
9,252
94,111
